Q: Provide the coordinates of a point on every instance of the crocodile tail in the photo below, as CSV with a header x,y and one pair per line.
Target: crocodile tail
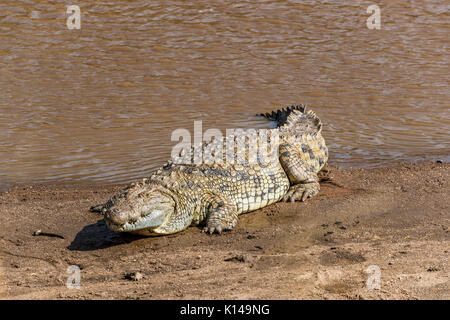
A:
x,y
296,118
281,115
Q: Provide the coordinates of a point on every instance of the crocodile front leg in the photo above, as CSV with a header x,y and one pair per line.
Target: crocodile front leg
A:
x,y
304,181
222,215
302,191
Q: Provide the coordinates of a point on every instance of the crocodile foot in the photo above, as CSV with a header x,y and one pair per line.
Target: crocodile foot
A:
x,y
217,226
302,191
211,229
222,216
325,174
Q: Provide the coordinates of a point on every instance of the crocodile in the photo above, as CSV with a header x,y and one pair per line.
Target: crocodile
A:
x,y
212,195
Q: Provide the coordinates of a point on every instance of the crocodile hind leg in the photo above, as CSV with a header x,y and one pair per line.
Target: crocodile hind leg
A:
x,y
325,174
222,216
303,178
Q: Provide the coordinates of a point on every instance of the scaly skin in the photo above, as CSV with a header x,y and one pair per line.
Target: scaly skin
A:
x,y
180,195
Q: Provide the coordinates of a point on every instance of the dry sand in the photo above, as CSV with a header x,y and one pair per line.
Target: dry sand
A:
x,y
396,219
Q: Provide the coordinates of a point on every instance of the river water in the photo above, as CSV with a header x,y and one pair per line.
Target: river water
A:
x,y
100,103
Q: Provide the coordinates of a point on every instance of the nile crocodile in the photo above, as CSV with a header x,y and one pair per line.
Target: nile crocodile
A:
x,y
214,194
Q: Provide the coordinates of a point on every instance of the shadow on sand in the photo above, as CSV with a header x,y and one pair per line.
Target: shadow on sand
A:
x,y
98,236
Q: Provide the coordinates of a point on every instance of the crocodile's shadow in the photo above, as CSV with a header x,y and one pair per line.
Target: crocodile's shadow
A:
x,y
98,236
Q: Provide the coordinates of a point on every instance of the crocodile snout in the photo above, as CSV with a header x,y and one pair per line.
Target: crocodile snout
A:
x,y
116,216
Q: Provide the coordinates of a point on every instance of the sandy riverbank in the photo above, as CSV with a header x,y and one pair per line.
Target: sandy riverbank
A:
x,y
394,218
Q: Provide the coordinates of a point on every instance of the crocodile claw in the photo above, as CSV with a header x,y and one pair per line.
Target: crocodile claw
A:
x,y
301,192
212,229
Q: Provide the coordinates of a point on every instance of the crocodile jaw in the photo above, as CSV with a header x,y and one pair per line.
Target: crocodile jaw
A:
x,y
153,220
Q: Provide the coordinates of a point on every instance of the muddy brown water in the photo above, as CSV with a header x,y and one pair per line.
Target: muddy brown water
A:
x,y
100,103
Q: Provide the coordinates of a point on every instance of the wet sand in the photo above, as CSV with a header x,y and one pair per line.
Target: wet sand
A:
x,y
394,218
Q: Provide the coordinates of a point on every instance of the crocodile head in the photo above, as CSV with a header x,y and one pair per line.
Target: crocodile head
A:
x,y
140,208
